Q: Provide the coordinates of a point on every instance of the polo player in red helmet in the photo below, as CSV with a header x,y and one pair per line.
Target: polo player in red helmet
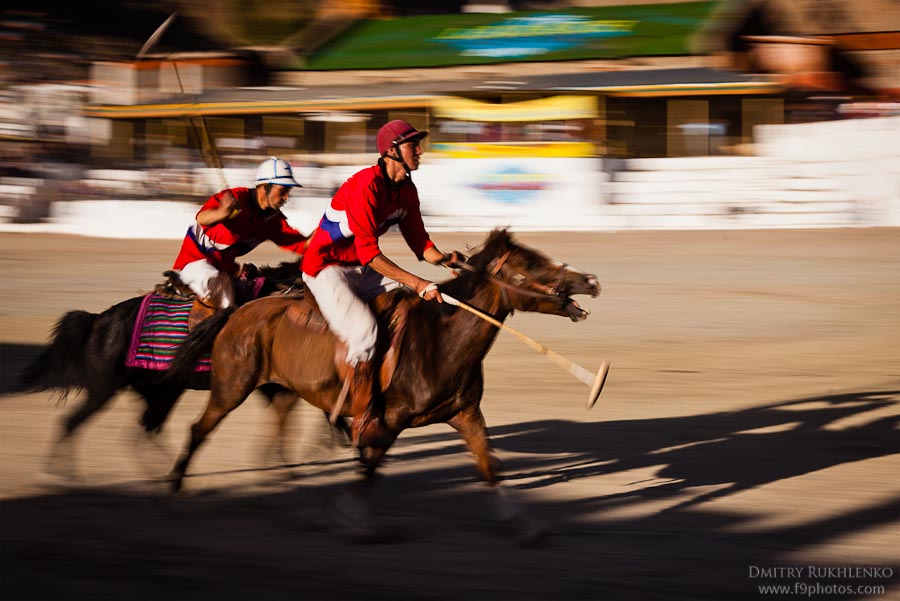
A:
x,y
344,267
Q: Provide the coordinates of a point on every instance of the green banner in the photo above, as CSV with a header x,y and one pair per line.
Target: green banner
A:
x,y
570,34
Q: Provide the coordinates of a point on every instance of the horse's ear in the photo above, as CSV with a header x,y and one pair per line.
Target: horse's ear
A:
x,y
498,240
499,233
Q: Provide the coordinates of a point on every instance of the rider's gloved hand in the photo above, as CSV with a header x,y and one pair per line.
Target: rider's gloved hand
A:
x,y
429,291
229,206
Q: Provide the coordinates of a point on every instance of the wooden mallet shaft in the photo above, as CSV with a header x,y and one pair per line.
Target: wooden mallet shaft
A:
x,y
594,381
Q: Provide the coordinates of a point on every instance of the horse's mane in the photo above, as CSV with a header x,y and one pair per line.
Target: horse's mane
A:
x,y
496,243
284,276
463,286
283,271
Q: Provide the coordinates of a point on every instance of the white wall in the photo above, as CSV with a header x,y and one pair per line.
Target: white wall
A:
x,y
831,174
859,158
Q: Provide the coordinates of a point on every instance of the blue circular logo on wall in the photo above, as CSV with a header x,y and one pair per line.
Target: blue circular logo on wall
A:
x,y
512,185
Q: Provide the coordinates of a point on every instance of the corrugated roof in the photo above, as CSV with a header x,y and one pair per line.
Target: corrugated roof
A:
x,y
674,82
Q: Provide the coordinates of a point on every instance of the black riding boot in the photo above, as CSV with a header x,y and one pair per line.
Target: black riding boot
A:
x,y
368,429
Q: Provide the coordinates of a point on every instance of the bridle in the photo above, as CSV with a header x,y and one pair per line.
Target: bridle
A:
x,y
517,281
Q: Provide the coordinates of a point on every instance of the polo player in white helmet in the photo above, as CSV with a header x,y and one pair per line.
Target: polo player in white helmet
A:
x,y
231,224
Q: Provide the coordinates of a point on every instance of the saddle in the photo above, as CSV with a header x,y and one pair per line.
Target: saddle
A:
x,y
248,286
172,287
392,315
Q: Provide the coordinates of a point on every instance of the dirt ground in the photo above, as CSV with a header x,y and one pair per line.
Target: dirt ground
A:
x,y
747,436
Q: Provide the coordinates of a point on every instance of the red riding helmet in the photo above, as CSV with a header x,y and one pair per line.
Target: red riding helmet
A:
x,y
395,133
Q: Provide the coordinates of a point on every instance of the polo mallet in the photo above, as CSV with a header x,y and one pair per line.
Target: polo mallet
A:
x,y
594,381
203,137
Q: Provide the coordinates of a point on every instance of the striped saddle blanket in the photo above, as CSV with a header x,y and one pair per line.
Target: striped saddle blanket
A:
x,y
160,328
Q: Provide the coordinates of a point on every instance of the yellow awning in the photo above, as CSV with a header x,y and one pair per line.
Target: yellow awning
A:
x,y
554,108
493,150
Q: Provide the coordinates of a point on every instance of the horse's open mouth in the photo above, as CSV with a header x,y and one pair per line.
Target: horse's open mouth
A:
x,y
574,310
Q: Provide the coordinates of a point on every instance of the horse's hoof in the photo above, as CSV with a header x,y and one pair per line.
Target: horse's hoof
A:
x,y
174,482
352,521
372,535
150,456
532,533
367,533
525,530
60,470
52,476
271,455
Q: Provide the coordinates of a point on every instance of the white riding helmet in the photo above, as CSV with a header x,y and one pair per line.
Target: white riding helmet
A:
x,y
276,171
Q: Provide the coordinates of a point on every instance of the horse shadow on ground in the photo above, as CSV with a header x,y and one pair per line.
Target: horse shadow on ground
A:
x,y
736,451
607,545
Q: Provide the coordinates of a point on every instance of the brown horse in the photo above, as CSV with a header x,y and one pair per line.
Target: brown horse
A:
x,y
438,376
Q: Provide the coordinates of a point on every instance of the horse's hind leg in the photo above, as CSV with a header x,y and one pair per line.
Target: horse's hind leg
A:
x,y
217,408
96,399
61,459
282,402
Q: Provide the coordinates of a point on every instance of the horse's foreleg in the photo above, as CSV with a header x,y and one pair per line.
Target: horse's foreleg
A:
x,y
351,511
160,402
149,452
371,458
471,426
511,515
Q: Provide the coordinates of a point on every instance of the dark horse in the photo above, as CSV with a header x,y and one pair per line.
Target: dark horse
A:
x,y
438,376
88,351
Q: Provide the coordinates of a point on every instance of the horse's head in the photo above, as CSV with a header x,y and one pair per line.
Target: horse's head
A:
x,y
283,277
531,281
285,272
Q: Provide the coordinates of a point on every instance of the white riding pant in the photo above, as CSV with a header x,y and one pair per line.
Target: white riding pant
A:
x,y
197,276
343,294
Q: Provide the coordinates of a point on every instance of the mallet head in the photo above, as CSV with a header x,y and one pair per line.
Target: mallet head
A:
x,y
599,381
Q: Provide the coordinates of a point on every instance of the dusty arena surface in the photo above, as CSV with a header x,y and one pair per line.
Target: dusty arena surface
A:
x,y
747,438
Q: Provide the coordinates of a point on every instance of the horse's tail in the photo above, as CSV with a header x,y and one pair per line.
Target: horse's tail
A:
x,y
61,365
198,343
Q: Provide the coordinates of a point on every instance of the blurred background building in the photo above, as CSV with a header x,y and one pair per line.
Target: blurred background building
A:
x,y
588,88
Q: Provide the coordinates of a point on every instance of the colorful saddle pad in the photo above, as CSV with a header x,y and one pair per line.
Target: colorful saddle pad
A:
x,y
161,327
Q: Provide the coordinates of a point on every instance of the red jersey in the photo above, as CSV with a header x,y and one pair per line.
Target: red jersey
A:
x,y
237,235
363,209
